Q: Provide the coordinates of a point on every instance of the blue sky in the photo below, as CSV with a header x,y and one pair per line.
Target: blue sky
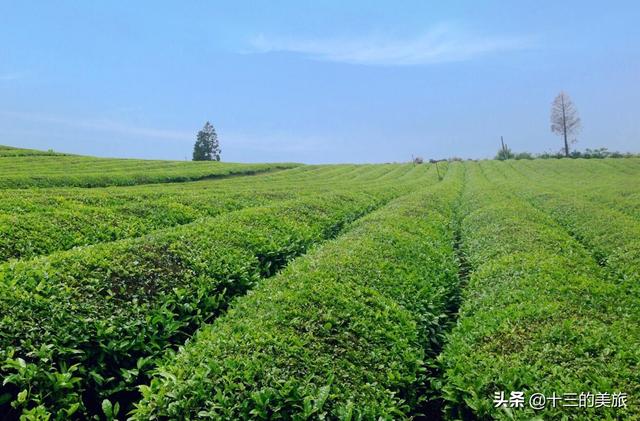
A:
x,y
316,81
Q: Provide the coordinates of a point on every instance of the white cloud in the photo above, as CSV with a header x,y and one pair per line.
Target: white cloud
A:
x,y
442,43
11,76
101,125
278,141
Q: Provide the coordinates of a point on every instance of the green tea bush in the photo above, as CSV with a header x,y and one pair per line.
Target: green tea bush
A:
x,y
37,222
344,332
45,230
538,315
86,325
21,170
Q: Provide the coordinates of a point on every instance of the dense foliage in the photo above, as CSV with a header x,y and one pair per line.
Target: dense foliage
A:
x,y
344,332
41,221
23,170
207,147
99,313
538,313
83,327
316,292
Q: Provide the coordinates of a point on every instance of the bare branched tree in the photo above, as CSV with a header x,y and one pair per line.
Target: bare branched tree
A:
x,y
564,119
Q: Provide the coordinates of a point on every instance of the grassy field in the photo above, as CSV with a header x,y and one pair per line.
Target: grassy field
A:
x,y
169,290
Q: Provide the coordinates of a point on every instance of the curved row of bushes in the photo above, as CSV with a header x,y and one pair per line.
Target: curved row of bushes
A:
x,y
19,201
610,235
538,315
24,236
80,326
610,186
82,171
42,221
343,332
9,151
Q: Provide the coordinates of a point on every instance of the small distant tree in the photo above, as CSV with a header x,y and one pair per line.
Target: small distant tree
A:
x,y
207,147
564,119
504,152
523,155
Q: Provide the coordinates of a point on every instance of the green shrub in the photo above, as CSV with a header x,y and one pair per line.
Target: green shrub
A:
x,y
344,332
84,325
538,314
43,169
37,222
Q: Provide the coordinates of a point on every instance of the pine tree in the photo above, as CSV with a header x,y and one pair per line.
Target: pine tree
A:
x,y
207,147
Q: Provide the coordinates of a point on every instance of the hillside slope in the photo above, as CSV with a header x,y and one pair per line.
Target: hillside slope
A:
x,y
23,168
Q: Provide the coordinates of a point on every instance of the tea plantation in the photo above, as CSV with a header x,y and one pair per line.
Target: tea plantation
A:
x,y
134,289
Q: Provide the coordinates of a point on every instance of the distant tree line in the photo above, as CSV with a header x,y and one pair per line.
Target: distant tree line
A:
x,y
598,153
